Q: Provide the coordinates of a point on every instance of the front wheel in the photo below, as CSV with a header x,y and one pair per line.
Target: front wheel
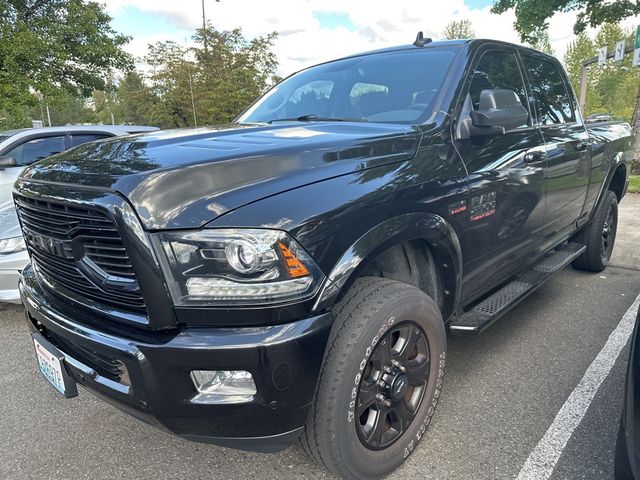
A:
x,y
599,235
380,382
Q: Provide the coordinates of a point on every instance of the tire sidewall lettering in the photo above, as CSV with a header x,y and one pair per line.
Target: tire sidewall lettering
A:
x,y
363,363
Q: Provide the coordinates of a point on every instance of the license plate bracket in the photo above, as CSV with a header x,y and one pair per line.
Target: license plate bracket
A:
x,y
52,367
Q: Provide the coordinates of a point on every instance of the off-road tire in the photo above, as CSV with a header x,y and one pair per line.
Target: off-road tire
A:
x,y
371,312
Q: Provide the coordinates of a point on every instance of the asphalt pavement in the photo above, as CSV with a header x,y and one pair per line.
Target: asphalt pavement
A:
x,y
503,390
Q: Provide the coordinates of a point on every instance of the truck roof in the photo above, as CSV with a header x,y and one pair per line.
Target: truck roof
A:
x,y
444,43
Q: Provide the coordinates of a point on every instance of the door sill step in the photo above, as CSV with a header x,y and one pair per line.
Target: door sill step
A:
x,y
487,311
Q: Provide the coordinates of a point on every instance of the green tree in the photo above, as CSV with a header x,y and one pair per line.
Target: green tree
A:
x,y
458,29
532,16
132,100
541,41
55,47
231,73
581,48
104,105
170,84
616,82
66,109
611,88
224,79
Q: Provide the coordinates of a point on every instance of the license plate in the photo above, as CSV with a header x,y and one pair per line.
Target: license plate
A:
x,y
51,366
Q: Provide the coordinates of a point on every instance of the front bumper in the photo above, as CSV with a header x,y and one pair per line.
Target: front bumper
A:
x,y
149,376
10,267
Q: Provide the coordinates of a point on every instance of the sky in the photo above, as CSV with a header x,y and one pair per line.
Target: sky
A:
x,y
312,31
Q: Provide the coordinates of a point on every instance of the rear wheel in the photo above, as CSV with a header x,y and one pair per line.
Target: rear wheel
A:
x,y
599,235
381,380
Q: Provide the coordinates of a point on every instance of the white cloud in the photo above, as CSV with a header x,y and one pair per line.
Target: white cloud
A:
x,y
303,42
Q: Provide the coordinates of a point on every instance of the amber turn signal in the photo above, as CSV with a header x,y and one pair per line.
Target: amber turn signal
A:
x,y
294,267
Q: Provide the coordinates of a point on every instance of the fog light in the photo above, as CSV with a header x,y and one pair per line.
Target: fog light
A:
x,y
223,386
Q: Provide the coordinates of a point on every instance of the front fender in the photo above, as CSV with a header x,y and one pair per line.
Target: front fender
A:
x,y
411,226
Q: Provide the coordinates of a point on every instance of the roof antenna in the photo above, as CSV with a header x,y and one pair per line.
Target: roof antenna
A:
x,y
421,41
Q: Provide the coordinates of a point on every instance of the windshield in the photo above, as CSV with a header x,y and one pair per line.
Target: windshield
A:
x,y
400,87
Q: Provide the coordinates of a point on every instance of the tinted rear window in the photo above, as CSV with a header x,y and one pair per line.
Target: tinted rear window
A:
x,y
552,99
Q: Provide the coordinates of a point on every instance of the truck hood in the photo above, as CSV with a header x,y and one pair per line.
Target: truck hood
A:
x,y
186,178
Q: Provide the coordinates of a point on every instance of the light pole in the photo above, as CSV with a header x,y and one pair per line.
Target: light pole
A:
x,y
582,98
204,26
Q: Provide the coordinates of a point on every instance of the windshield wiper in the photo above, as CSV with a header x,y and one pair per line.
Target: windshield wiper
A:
x,y
312,117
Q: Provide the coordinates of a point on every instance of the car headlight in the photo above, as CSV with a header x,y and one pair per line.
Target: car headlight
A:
x,y
12,245
226,267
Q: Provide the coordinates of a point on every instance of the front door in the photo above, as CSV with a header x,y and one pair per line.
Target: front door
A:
x,y
506,182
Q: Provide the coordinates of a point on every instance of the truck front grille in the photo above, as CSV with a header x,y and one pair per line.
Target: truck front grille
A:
x,y
79,249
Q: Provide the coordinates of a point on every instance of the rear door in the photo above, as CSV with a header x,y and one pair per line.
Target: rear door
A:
x,y
568,146
506,180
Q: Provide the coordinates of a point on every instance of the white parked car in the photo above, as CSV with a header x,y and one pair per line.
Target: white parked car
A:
x,y
19,148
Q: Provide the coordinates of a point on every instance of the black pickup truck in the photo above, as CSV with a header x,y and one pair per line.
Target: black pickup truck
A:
x,y
293,276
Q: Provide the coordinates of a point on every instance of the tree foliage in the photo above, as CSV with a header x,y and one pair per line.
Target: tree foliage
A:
x,y
55,48
611,88
458,29
225,77
532,15
541,41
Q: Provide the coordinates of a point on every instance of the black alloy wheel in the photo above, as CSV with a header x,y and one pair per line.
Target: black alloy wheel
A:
x,y
392,386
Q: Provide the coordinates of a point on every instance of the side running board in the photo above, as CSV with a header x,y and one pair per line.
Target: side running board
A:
x,y
479,317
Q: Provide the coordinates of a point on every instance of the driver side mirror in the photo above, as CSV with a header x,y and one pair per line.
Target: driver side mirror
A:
x,y
7,162
498,110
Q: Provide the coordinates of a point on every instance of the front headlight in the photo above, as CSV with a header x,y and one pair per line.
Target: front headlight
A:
x,y
227,267
12,245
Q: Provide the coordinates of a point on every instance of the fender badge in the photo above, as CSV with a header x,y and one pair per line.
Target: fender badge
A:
x,y
483,215
457,207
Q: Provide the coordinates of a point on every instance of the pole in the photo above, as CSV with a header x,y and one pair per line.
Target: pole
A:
x,y
583,72
204,28
48,115
193,102
583,88
113,120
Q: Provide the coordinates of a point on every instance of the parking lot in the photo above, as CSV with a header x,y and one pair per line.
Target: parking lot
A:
x,y
503,390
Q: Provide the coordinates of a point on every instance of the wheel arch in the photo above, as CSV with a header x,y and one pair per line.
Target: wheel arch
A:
x,y
426,228
618,181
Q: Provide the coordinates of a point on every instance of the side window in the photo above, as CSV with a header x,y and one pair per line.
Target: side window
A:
x,y
36,149
550,94
497,70
81,138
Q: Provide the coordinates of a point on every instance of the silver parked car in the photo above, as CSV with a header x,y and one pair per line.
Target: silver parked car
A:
x,y
19,148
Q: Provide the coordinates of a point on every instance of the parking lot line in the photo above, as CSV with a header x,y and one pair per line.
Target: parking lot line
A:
x,y
544,457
